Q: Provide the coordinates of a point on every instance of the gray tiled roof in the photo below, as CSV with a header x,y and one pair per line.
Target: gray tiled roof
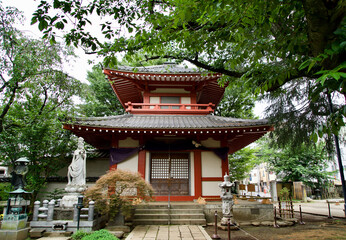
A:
x,y
165,68
129,121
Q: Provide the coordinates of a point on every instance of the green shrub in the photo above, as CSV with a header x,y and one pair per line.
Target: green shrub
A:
x,y
284,193
79,235
5,188
100,235
124,189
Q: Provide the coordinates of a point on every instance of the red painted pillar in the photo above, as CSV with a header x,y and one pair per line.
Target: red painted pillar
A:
x,y
198,173
141,162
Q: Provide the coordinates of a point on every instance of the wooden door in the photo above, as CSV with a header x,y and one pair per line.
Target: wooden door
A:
x,y
170,173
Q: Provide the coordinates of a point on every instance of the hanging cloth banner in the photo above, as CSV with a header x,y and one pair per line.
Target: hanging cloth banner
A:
x,y
118,155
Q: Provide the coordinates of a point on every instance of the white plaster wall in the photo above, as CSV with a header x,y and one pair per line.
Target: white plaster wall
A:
x,y
154,100
128,142
211,165
170,90
211,143
130,164
185,100
210,188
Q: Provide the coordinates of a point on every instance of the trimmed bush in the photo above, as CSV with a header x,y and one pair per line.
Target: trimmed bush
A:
x,y
97,235
79,235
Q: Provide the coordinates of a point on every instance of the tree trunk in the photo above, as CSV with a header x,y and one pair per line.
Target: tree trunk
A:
x,y
323,18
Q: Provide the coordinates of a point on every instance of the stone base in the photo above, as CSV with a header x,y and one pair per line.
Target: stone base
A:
x,y
21,234
224,221
254,212
69,200
86,226
14,222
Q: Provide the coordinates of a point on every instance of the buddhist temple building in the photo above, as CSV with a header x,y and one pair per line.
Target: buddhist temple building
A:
x,y
169,133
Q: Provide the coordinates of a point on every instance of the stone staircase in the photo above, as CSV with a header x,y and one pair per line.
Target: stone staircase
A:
x,y
177,214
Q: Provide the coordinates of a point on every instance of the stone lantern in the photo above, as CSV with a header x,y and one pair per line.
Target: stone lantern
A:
x,y
227,200
14,224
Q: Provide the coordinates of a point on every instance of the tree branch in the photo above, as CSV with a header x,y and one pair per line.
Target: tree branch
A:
x,y
7,106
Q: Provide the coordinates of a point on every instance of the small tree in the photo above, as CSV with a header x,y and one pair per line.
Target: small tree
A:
x,y
118,190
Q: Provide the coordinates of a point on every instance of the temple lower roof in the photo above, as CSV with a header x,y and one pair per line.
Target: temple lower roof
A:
x,y
101,132
129,121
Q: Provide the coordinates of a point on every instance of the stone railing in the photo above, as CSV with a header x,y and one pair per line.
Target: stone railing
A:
x,y
46,211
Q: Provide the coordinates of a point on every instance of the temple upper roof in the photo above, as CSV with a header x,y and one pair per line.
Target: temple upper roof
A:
x,y
130,84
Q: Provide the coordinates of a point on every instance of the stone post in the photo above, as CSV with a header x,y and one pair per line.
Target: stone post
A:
x,y
50,210
35,213
45,204
75,213
91,211
58,204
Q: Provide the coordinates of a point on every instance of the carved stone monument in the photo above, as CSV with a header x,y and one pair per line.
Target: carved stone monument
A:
x,y
227,200
76,176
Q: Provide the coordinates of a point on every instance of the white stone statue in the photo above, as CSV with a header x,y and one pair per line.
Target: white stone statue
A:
x,y
76,175
77,170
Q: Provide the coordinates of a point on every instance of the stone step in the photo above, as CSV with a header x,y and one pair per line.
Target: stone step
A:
x,y
172,216
172,206
166,211
57,234
177,214
171,221
37,233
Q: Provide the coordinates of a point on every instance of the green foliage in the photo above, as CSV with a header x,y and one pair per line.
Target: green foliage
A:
x,y
5,188
79,235
56,194
237,102
98,96
263,45
35,93
295,116
284,193
307,164
242,162
117,191
96,235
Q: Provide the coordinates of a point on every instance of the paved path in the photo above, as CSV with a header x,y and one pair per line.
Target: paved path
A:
x,y
320,207
172,232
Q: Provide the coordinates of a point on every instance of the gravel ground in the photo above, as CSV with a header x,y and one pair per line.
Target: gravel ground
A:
x,y
315,228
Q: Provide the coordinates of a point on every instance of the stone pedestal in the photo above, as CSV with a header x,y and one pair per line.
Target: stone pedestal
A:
x,y
69,200
13,227
20,234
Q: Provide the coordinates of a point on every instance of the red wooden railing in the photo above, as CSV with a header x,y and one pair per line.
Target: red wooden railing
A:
x,y
169,108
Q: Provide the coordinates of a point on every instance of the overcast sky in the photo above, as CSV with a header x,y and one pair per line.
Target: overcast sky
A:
x,y
77,68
